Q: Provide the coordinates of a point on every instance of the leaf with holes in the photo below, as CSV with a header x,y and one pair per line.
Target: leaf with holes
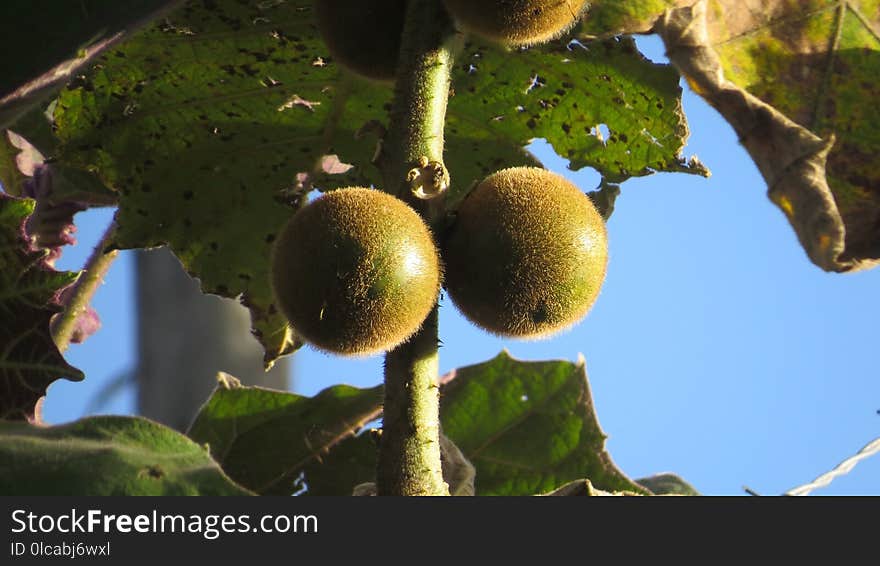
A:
x,y
29,359
600,105
213,123
107,456
528,427
204,124
266,440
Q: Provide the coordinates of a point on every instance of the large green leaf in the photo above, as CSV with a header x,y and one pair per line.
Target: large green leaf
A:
x,y
528,427
270,441
43,42
29,359
107,456
211,124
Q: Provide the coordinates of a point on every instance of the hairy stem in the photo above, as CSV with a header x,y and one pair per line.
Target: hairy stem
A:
x,y
409,450
64,325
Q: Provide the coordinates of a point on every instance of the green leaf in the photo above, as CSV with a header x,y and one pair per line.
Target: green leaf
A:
x,y
213,123
43,42
202,123
29,359
528,427
350,463
568,95
612,17
667,484
269,441
107,456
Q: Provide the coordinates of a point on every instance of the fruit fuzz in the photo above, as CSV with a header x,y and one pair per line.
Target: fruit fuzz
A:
x,y
526,255
356,272
363,35
516,23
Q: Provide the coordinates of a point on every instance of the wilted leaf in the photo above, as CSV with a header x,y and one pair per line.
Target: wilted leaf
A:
x,y
793,79
667,484
584,488
211,125
43,42
268,440
528,427
107,456
29,359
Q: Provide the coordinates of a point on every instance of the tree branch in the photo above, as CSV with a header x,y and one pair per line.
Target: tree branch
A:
x,y
409,450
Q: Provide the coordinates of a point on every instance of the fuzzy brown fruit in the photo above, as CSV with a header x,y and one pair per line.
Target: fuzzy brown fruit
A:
x,y
527,254
356,272
363,35
516,22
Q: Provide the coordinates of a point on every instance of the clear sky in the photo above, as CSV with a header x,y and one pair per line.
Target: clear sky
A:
x,y
716,349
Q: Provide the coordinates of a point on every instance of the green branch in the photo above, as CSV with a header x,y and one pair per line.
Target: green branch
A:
x,y
64,325
409,450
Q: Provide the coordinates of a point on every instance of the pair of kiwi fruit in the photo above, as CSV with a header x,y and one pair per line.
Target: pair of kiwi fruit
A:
x,y
357,271
365,35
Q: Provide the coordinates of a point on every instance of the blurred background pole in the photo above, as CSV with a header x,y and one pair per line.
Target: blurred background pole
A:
x,y
185,337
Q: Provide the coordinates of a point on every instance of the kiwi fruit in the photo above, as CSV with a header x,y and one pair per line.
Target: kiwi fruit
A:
x,y
526,254
356,272
363,35
516,23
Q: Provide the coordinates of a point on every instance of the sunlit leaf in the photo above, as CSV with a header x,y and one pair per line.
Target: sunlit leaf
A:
x,y
528,427
212,124
107,456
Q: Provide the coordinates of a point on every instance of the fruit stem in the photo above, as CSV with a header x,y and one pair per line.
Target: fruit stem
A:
x,y
418,114
409,449
64,324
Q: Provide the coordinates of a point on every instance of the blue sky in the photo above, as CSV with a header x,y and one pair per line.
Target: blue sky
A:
x,y
716,349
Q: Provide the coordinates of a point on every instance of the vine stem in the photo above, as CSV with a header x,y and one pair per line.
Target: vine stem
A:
x,y
409,449
64,325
